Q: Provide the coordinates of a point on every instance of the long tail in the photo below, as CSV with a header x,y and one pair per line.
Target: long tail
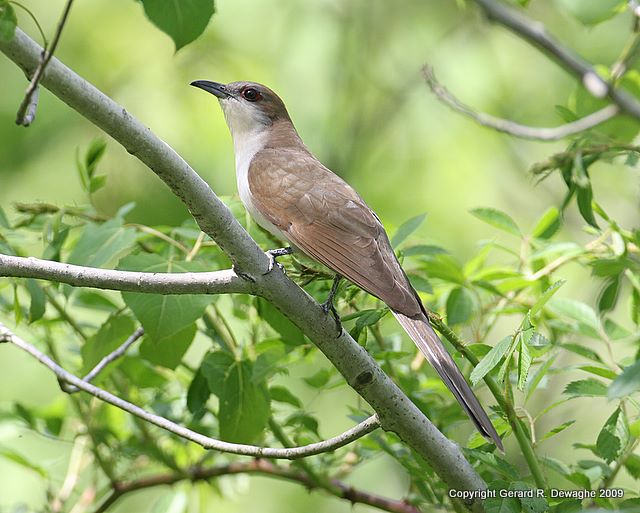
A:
x,y
421,332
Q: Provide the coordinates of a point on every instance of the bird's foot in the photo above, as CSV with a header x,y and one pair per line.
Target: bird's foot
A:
x,y
272,254
327,306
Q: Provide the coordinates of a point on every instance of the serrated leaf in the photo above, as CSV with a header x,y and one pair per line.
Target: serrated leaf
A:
x,y
547,225
163,315
533,383
244,404
406,229
613,436
102,243
626,383
460,306
168,351
284,395
524,357
183,21
586,388
545,297
498,219
583,351
8,22
492,359
598,371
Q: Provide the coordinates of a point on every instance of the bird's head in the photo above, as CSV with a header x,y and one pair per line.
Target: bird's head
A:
x,y
248,107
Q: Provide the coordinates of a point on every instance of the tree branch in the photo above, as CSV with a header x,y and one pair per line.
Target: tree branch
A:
x,y
344,491
214,282
112,356
27,110
365,427
395,411
535,33
516,129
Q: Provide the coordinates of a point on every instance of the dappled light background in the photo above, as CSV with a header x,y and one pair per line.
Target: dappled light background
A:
x,y
349,72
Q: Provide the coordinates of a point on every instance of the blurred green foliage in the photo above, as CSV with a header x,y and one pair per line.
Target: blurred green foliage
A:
x,y
542,278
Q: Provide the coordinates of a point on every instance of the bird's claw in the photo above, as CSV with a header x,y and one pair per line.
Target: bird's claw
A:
x,y
273,254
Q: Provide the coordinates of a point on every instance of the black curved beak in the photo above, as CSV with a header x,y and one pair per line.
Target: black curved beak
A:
x,y
215,88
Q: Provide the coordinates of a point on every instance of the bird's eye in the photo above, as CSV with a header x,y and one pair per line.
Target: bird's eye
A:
x,y
251,95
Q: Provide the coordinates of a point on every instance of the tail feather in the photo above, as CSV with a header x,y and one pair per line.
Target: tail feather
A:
x,y
423,335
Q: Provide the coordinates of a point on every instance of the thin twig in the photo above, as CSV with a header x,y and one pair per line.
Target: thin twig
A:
x,y
49,208
27,110
365,427
214,282
535,33
341,489
513,128
112,356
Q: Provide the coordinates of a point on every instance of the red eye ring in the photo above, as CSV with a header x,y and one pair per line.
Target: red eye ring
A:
x,y
251,94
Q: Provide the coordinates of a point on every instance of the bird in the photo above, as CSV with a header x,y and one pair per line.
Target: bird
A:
x,y
291,194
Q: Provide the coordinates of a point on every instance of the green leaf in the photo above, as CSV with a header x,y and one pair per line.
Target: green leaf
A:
x,y
21,460
533,383
4,222
96,183
406,229
626,383
592,12
183,20
603,372
460,306
102,243
94,154
492,359
420,283
632,464
585,205
613,437
524,357
38,300
586,388
168,351
284,395
608,296
547,225
289,333
8,22
546,295
558,429
244,405
581,313
319,379
163,315
112,334
498,219
198,394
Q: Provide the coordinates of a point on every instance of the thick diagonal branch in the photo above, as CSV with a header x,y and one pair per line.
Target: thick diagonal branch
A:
x,y
535,33
215,282
290,453
394,409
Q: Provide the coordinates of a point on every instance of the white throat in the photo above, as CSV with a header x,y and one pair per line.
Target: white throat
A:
x,y
250,133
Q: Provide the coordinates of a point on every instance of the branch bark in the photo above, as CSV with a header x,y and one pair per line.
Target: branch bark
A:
x,y
290,453
262,467
394,409
215,282
535,33
511,127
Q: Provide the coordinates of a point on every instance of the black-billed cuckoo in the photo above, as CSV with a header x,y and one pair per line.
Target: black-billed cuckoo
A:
x,y
291,194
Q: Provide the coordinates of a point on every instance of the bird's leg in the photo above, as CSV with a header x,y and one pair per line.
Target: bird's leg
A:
x,y
275,253
327,306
